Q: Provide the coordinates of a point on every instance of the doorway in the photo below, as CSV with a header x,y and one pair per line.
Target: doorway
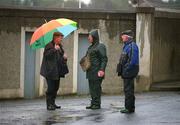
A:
x,y
29,68
82,82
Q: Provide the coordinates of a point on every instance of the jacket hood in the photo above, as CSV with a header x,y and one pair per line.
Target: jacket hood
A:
x,y
95,35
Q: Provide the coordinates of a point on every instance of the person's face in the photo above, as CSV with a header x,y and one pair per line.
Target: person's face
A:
x,y
90,38
58,39
124,38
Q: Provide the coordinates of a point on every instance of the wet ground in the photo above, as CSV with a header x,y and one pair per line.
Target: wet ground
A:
x,y
156,108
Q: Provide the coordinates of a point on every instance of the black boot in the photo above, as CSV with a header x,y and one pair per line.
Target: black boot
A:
x,y
50,104
94,107
51,107
57,106
88,107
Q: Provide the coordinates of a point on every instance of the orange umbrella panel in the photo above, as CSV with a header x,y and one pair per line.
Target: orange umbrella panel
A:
x,y
43,35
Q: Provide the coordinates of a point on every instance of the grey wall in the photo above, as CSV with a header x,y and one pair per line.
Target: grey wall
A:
x,y
112,83
166,50
10,47
109,32
66,85
165,47
110,24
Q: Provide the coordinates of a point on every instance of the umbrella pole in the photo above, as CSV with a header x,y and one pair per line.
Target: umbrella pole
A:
x,y
45,20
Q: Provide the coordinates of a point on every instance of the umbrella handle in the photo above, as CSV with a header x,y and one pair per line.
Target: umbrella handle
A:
x,y
45,20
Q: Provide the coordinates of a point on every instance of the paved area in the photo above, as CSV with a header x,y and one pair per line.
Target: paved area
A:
x,y
155,108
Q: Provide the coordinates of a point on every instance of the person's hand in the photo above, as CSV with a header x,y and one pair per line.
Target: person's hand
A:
x,y
57,47
101,73
65,56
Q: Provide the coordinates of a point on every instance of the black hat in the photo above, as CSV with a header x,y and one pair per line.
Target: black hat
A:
x,y
128,32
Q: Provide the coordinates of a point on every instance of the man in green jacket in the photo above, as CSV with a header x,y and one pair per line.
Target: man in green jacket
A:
x,y
95,74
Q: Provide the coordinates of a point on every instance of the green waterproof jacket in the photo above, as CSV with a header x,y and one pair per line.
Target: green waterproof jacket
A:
x,y
98,59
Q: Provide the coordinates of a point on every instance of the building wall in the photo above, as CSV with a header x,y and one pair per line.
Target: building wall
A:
x,y
166,52
12,20
144,30
66,84
109,35
9,58
158,38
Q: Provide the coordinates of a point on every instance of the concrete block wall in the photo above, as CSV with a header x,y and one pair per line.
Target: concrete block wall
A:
x,y
157,37
109,24
10,47
166,50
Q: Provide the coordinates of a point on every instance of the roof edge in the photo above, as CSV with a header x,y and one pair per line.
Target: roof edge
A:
x,y
67,9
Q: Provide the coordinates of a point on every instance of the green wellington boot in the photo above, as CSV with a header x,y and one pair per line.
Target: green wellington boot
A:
x,y
127,111
94,107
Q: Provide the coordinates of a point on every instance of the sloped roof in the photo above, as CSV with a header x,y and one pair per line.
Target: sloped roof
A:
x,y
164,4
94,5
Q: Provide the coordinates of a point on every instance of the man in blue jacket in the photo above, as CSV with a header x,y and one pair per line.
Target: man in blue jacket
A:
x,y
128,68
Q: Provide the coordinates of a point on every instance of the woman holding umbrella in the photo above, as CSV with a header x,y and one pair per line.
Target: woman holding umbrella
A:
x,y
54,66
50,35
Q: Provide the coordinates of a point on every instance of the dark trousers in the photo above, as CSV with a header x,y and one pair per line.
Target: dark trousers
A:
x,y
95,91
129,94
52,88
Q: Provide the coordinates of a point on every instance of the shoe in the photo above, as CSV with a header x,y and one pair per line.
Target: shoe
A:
x,y
51,107
126,111
94,107
57,106
88,107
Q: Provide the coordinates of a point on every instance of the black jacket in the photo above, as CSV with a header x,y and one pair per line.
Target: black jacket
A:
x,y
53,65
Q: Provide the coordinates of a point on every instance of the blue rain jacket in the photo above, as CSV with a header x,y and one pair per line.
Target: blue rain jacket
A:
x,y
129,60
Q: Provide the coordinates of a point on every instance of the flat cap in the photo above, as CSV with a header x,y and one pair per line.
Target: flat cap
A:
x,y
128,32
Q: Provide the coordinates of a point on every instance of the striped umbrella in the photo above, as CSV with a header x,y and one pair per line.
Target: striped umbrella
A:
x,y
43,35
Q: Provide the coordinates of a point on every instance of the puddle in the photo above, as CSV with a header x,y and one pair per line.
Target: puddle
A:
x,y
61,119
99,118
